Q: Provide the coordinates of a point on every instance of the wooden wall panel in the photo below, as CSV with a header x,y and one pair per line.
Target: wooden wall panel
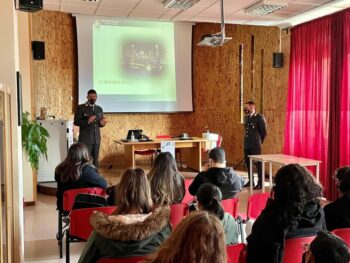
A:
x,y
215,79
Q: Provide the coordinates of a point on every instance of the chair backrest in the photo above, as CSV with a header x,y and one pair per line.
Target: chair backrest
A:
x,y
294,249
219,141
188,197
256,203
343,233
231,206
234,253
69,196
122,260
80,220
177,213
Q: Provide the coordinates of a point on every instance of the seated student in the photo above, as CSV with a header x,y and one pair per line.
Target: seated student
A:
x,y
76,171
167,184
293,210
209,199
327,248
218,174
134,229
338,213
199,238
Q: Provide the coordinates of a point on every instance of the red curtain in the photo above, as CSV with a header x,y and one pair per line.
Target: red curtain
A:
x,y
317,123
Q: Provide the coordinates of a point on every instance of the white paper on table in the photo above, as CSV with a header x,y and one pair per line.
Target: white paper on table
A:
x,y
168,146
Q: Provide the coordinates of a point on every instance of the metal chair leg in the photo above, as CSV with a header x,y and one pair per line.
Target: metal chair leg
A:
x,y
60,234
67,247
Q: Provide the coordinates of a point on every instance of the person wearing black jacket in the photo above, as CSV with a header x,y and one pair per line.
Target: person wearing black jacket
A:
x,y
292,211
76,171
218,174
255,133
89,117
338,212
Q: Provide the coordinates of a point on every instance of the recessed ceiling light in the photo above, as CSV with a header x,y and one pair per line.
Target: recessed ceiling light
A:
x,y
265,7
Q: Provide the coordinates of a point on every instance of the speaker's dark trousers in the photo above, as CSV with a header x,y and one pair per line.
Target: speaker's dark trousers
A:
x,y
258,165
94,150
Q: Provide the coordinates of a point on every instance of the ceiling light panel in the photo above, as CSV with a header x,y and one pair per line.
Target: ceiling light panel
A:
x,y
265,7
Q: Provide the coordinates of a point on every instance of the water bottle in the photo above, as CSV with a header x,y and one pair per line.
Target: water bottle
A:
x,y
132,136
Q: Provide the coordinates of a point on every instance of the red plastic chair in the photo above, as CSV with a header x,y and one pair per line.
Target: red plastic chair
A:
x,y
243,257
231,206
234,253
177,213
294,249
219,141
256,203
188,197
122,260
79,227
343,233
69,196
68,202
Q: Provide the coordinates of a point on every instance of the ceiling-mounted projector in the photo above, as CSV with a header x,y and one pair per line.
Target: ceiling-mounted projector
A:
x,y
214,40
179,4
217,39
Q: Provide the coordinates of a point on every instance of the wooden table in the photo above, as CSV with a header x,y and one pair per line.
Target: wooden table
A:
x,y
192,150
280,160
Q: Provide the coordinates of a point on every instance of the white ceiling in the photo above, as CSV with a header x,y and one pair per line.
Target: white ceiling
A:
x,y
297,11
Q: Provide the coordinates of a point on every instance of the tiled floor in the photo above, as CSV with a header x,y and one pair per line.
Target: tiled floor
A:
x,y
40,226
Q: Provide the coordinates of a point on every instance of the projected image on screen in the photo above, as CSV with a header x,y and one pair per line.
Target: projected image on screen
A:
x,y
134,60
144,59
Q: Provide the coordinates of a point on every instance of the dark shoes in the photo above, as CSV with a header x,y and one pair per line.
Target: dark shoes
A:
x,y
247,184
258,186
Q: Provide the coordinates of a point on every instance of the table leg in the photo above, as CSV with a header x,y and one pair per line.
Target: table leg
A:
x,y
318,172
263,176
251,179
193,157
129,156
270,174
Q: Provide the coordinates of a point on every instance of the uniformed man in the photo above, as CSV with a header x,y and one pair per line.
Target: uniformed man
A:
x,y
89,117
255,133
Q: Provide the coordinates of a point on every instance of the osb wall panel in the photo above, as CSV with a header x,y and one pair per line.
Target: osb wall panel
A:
x,y
216,84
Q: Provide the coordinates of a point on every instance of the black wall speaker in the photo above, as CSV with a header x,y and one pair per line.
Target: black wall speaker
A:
x,y
38,49
277,60
29,5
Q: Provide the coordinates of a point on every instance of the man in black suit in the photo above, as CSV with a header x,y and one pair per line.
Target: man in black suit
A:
x,y
255,133
89,117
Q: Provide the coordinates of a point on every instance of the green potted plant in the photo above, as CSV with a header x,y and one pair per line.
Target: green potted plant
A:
x,y
34,140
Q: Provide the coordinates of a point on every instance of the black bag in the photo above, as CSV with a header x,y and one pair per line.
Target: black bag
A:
x,y
89,200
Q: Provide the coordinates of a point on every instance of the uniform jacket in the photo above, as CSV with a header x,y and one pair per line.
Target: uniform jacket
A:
x,y
266,242
111,239
255,131
226,179
338,213
89,133
88,178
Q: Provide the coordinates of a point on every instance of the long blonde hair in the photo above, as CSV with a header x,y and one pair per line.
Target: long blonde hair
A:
x,y
167,184
199,238
134,192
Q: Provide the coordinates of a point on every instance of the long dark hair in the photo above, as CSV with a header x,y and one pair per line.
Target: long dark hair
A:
x,y
294,187
209,199
78,157
167,184
134,192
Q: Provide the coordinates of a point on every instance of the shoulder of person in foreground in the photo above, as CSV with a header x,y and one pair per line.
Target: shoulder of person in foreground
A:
x,y
113,228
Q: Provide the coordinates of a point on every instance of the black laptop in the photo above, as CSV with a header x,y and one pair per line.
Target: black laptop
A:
x,y
137,134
